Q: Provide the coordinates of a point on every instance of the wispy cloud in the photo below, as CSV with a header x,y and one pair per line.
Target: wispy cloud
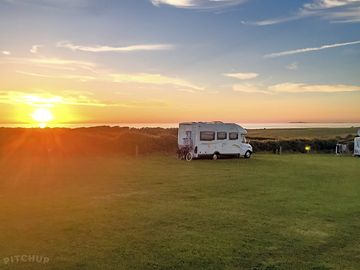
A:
x,y
312,88
87,71
337,11
6,53
322,4
61,4
300,15
292,66
136,78
82,78
154,79
35,48
311,49
251,88
176,3
350,15
45,99
101,48
198,4
242,76
294,88
48,63
71,98
61,62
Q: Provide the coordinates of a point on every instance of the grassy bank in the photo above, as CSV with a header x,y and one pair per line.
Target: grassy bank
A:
x,y
270,212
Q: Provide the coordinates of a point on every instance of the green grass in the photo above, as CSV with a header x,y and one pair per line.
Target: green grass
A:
x,y
269,212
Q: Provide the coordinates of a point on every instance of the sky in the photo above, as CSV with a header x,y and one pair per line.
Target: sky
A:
x,y
168,61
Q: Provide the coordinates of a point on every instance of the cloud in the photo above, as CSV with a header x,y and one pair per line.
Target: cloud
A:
x,y
311,49
82,78
34,49
338,11
138,78
324,4
87,71
146,103
351,15
58,4
295,88
6,53
69,97
44,99
176,3
250,88
302,14
292,66
49,63
312,88
242,76
60,62
198,4
154,79
132,48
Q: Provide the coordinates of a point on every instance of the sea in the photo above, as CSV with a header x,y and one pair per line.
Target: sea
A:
x,y
175,125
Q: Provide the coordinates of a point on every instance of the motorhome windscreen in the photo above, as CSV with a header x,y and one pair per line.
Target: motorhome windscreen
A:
x,y
233,135
221,135
207,135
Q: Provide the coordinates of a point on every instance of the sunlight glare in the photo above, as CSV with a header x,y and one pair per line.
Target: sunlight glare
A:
x,y
42,116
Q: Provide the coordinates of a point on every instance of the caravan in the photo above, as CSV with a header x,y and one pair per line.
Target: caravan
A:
x,y
212,139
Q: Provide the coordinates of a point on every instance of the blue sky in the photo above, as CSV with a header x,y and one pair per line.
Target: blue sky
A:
x,y
173,51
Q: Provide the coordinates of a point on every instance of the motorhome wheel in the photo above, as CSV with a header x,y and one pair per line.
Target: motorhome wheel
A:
x,y
247,154
189,156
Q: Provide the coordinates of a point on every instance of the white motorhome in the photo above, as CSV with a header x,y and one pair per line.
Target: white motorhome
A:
x,y
357,145
212,139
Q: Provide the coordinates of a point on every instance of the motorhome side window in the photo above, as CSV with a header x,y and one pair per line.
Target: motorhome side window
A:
x,y
221,135
233,135
207,135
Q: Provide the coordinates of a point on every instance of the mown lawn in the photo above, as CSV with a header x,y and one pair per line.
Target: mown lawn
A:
x,y
269,212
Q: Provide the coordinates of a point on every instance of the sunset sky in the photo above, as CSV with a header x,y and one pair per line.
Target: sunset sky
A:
x,y
165,61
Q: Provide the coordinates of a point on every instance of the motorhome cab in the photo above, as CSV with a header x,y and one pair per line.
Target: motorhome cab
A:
x,y
357,145
214,139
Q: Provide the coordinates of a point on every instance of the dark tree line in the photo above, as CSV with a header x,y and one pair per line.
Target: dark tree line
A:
x,y
119,140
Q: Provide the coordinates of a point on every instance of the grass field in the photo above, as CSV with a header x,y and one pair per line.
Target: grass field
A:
x,y
269,212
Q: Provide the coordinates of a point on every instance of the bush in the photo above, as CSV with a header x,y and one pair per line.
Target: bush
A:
x,y
297,145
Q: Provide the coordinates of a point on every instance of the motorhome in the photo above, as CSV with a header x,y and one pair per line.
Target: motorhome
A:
x,y
357,145
212,139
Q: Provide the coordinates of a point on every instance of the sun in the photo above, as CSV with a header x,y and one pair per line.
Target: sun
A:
x,y
42,116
